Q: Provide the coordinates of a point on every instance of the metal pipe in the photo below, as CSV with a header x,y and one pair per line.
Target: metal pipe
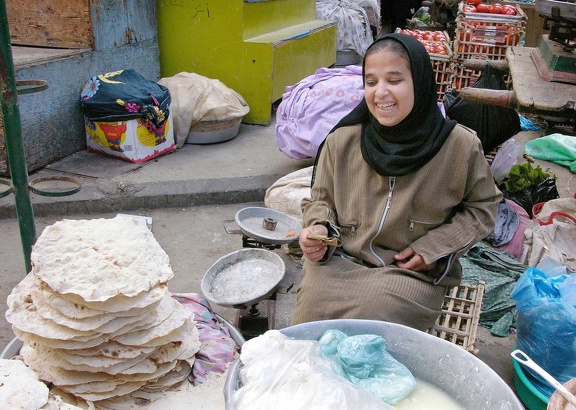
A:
x,y
14,143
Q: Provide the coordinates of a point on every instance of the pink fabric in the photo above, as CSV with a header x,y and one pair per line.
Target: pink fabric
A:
x,y
217,348
313,106
516,245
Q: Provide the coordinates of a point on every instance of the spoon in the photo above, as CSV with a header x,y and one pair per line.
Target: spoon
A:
x,y
523,358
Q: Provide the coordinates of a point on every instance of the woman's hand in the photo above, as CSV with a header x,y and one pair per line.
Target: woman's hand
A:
x,y
408,259
313,249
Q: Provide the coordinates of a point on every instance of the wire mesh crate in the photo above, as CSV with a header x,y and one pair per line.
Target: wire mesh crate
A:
x,y
484,36
460,316
441,61
443,73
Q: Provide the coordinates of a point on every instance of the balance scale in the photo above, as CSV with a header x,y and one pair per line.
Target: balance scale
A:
x,y
248,279
555,56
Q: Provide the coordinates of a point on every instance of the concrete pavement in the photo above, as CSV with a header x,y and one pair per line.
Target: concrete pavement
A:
x,y
192,196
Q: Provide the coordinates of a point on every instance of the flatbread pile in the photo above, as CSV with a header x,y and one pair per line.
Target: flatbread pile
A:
x,y
95,314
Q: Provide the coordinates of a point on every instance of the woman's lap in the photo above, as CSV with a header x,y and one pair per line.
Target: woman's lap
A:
x,y
341,289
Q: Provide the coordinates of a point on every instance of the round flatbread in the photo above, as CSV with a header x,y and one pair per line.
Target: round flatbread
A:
x,y
20,387
98,259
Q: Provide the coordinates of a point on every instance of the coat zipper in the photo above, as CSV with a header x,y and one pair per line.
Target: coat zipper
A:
x,y
391,183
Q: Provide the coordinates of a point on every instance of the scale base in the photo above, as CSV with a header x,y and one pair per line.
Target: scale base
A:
x,y
256,319
553,63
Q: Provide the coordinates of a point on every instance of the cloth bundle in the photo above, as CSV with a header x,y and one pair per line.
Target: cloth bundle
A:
x,y
196,99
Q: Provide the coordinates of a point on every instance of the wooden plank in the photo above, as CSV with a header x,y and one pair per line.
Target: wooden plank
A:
x,y
535,95
55,23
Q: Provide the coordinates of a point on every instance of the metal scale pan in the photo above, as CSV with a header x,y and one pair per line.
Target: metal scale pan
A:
x,y
244,280
268,225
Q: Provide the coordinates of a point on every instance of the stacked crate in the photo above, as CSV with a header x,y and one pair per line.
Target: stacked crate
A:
x,y
483,36
441,56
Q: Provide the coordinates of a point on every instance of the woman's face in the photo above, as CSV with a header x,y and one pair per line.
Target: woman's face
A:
x,y
388,87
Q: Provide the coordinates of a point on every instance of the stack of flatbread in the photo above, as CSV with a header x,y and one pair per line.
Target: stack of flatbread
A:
x,y
95,314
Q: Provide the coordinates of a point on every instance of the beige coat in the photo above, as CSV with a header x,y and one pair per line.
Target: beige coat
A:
x,y
440,211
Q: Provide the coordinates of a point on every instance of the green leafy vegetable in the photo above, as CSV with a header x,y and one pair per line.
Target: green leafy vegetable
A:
x,y
522,176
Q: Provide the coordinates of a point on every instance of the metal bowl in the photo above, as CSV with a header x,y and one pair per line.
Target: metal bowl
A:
x,y
251,222
461,375
243,278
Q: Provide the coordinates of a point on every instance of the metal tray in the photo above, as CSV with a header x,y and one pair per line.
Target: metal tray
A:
x,y
251,221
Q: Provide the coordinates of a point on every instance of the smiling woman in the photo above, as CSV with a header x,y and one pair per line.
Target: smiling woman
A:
x,y
387,183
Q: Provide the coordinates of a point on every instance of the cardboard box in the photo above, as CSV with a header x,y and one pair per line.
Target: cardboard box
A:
x,y
129,140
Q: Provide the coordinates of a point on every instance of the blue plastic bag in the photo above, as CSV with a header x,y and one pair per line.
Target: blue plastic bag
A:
x,y
546,324
364,361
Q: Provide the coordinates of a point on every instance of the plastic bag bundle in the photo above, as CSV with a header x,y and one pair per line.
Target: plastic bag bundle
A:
x,y
364,361
546,324
506,157
278,372
529,186
354,32
557,148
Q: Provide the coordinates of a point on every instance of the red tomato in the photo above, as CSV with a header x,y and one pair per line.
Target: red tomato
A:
x,y
440,49
508,10
484,8
465,35
496,8
469,9
439,36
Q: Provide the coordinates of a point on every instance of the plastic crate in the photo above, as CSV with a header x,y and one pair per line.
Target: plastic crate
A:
x,y
486,37
491,20
460,316
441,63
443,73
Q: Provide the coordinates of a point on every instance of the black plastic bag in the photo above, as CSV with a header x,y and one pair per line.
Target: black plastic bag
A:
x,y
528,197
493,124
529,186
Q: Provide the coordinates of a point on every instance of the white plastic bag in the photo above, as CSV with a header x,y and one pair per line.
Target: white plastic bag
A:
x,y
280,373
506,157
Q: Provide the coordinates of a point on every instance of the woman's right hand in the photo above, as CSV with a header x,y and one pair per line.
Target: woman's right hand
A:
x,y
313,249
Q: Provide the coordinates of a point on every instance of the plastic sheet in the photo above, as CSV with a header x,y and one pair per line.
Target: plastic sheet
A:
x,y
557,148
364,361
282,373
506,158
546,323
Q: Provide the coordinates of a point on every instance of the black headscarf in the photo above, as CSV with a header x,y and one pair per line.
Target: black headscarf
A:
x,y
409,145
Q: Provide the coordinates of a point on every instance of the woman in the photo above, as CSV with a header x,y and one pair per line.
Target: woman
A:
x,y
405,190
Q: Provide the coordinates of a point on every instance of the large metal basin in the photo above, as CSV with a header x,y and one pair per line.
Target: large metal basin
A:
x,y
452,369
